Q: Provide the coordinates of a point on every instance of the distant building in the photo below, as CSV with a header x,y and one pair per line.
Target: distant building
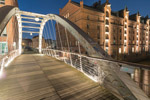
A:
x,y
35,42
8,43
50,44
26,42
122,35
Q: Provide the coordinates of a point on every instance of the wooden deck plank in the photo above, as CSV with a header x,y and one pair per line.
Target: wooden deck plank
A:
x,y
37,77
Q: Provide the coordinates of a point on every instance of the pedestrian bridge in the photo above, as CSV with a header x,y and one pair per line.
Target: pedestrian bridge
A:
x,y
60,70
39,77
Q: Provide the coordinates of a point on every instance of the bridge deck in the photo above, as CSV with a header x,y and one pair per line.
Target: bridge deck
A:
x,y
36,77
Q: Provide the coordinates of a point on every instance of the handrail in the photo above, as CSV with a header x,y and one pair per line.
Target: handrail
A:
x,y
140,66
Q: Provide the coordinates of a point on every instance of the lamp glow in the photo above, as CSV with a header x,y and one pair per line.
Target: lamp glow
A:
x,y
37,19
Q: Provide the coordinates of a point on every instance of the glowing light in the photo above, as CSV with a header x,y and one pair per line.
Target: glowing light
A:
x,y
6,65
37,19
106,32
107,18
30,33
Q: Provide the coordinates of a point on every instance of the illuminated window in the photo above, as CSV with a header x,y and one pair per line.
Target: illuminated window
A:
x,y
119,50
124,49
132,49
107,50
2,1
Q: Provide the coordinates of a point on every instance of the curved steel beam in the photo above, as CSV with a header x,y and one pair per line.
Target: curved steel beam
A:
x,y
85,40
6,14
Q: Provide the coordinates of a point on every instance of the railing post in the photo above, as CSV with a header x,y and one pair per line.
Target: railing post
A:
x,y
2,66
141,78
81,63
71,60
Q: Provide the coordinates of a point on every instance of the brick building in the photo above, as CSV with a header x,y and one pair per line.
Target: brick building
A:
x,y
123,36
35,42
8,43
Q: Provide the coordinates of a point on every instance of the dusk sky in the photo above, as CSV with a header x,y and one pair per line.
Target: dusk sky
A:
x,y
52,6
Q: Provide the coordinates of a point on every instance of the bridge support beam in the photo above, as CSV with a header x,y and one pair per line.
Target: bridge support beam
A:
x,y
41,33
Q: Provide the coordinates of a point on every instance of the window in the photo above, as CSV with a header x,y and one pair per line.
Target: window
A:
x,y
125,26
107,37
4,33
114,38
107,29
107,50
119,50
2,1
88,26
4,47
98,19
106,44
125,38
114,42
124,49
98,36
98,27
132,49
125,32
120,30
107,14
88,17
107,22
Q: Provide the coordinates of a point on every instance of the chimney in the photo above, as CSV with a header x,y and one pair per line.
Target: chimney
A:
x,y
69,0
81,3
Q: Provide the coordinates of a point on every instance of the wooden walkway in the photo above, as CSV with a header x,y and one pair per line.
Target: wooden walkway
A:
x,y
37,77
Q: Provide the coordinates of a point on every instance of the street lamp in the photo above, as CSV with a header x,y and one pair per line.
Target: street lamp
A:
x,y
37,19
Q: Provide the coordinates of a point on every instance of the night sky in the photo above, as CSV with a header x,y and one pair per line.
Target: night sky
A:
x,y
52,6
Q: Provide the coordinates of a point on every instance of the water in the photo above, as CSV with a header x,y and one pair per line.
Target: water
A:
x,y
145,62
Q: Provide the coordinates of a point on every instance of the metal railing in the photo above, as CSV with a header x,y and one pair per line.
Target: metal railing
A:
x,y
8,58
82,63
90,67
